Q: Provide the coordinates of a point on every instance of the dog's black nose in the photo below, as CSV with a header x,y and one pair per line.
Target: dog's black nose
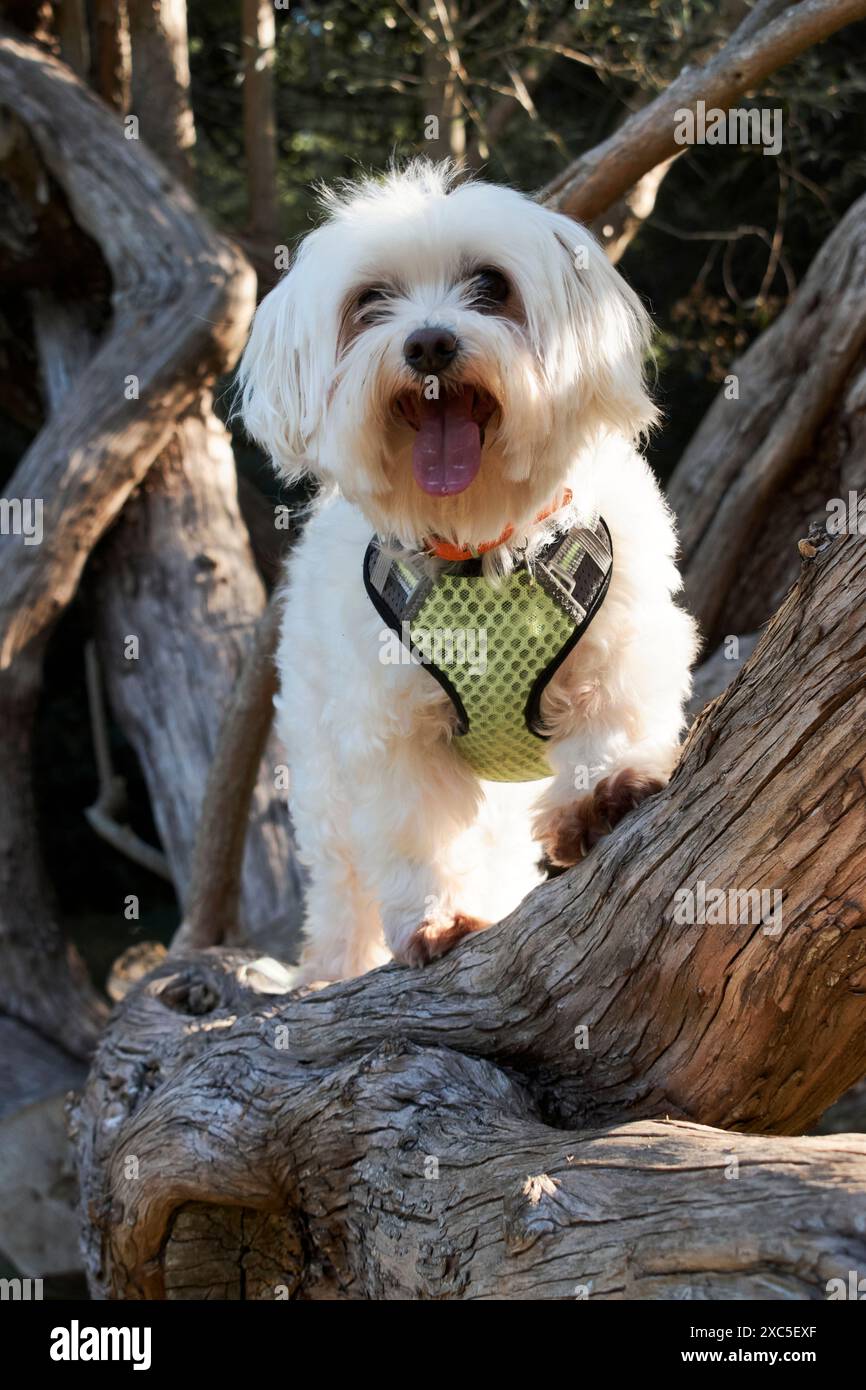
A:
x,y
428,351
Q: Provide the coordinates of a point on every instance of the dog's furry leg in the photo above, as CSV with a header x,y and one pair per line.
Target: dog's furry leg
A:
x,y
416,870
572,831
342,927
569,826
392,859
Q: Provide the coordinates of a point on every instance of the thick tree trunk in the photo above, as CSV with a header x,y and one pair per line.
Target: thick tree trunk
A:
x,y
442,89
592,1007
260,125
73,35
177,577
160,81
417,1172
182,298
112,57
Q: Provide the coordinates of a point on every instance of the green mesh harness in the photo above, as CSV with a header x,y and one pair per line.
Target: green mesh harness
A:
x,y
493,649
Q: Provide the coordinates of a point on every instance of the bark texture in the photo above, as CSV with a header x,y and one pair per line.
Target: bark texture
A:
x,y
542,1121
177,576
160,81
181,302
447,1182
112,58
178,580
765,464
590,1008
444,90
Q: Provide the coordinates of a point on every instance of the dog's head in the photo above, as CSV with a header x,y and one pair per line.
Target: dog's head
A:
x,y
445,352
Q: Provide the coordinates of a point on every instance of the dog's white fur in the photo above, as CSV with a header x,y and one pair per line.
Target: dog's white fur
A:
x,y
395,827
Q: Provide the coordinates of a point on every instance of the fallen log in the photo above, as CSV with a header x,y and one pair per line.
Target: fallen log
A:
x,y
445,1182
593,1007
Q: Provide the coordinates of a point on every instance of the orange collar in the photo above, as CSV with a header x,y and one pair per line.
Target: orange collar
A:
x,y
445,550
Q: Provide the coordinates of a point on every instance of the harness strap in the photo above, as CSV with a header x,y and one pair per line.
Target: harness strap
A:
x,y
530,622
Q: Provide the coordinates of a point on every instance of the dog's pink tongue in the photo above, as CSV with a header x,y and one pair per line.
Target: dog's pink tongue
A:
x,y
447,452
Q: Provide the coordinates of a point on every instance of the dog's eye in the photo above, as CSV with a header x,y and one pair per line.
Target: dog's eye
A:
x,y
489,288
370,303
370,296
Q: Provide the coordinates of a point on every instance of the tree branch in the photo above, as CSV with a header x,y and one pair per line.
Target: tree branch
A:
x,y
182,302
214,893
602,175
599,1004
446,1183
728,486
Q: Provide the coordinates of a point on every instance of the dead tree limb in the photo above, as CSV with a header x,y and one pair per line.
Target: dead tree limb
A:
x,y
177,577
447,1183
605,173
769,795
767,460
182,298
181,305
603,1009
215,887
177,574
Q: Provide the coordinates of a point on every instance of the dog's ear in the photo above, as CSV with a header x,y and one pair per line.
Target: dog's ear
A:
x,y
605,325
285,370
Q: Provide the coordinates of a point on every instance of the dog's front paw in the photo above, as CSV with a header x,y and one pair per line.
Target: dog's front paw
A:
x,y
570,832
436,936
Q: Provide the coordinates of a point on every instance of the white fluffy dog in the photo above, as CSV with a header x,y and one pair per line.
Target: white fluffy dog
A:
x,y
461,369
